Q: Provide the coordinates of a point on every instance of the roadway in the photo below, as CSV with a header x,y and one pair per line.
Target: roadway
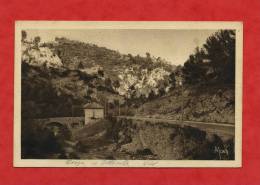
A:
x,y
221,129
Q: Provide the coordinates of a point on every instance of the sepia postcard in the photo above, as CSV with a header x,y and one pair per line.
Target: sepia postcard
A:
x,y
128,94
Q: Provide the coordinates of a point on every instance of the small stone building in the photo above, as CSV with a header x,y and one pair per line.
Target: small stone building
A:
x,y
93,112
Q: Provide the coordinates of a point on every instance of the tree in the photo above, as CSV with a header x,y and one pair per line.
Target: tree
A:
x,y
89,92
215,62
116,84
220,49
161,91
116,102
132,91
194,70
24,35
130,56
87,98
148,57
101,73
151,95
172,79
108,82
36,41
137,59
80,66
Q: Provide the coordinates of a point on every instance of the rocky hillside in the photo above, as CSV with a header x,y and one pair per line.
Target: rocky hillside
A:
x,y
61,75
51,92
146,140
51,89
137,83
210,104
127,73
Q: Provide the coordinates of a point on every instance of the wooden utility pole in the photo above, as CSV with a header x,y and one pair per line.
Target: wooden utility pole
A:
x,y
181,84
107,107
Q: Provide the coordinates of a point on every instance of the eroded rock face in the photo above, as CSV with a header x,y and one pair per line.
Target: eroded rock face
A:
x,y
209,104
39,56
168,142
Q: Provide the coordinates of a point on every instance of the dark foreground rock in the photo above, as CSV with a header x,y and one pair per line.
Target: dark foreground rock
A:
x,y
167,142
127,139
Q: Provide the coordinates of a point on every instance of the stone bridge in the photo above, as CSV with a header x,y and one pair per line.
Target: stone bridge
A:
x,y
70,122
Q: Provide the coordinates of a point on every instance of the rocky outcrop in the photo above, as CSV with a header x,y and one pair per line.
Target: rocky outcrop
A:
x,y
206,104
39,56
170,142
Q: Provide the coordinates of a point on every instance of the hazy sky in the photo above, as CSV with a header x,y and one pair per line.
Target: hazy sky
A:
x,y
172,45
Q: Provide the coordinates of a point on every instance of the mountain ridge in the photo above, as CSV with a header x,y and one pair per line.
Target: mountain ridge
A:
x,y
85,72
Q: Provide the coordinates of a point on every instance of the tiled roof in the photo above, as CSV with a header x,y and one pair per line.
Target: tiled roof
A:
x,y
93,105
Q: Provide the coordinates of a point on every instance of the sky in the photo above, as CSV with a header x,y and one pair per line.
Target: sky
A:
x,y
173,45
